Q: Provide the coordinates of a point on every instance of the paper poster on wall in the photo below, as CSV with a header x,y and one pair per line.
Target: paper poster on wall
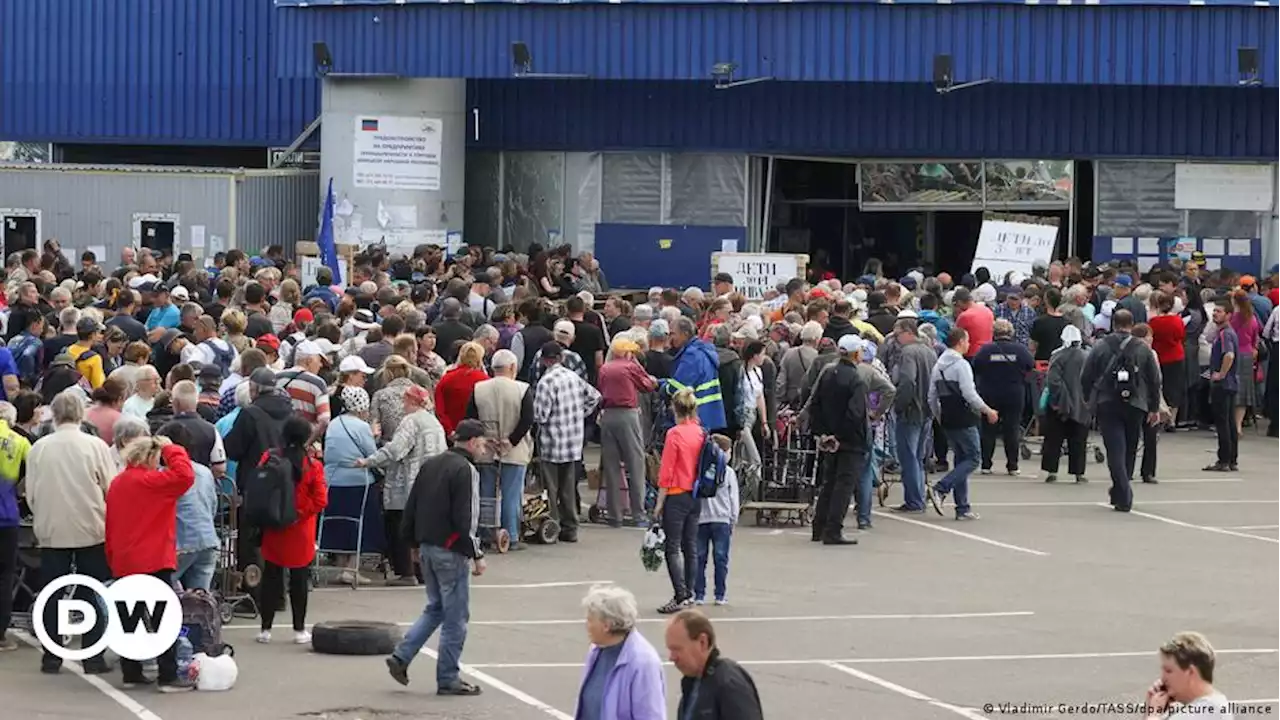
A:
x,y
1146,263
216,245
99,253
197,236
1212,264
402,217
1240,248
1121,246
397,153
1148,245
1181,247
1005,246
309,265
1213,246
754,274
71,255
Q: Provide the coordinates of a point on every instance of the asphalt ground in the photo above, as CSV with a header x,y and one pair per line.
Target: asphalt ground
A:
x,y
1050,598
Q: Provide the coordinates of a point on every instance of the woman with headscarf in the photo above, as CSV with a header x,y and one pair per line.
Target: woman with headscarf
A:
x,y
352,504
418,436
1066,410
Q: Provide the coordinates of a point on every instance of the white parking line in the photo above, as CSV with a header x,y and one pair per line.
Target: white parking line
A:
x,y
133,706
1205,528
504,688
970,536
748,619
900,660
1036,480
906,692
1249,527
512,586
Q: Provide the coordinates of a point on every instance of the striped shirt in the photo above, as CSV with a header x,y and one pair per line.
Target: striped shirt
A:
x,y
308,392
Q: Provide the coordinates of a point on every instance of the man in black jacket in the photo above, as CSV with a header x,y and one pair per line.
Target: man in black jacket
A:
x,y
440,518
713,687
838,417
839,325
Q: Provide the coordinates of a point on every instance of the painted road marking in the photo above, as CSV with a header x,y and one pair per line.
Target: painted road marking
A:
x,y
116,696
906,692
1205,528
512,586
504,688
959,533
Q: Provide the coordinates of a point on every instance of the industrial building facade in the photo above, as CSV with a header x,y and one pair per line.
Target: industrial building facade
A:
x,y
845,129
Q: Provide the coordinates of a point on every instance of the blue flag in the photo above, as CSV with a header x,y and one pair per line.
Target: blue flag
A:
x,y
328,249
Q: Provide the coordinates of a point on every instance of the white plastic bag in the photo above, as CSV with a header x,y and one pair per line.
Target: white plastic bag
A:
x,y
215,673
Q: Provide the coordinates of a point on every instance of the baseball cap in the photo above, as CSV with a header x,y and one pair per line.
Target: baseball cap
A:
x,y
138,281
88,325
353,363
210,371
504,358
180,293
364,319
1124,281
849,343
269,341
263,378
907,314
908,282
304,315
468,430
551,349
306,348
1247,281
1197,257
564,327
659,328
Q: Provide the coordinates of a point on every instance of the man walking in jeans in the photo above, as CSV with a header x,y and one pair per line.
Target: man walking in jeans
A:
x,y
1223,384
440,517
911,376
956,403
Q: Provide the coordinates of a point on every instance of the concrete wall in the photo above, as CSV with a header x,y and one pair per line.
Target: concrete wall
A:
x,y
418,204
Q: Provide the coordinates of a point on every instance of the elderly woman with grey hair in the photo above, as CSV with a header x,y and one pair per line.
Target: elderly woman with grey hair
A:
x,y
622,678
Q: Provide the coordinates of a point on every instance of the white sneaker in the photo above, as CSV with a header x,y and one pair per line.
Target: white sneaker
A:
x,y
985,471
264,637
722,602
302,638
699,601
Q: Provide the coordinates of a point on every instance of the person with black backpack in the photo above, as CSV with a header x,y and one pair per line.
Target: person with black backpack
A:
x,y
1123,379
956,404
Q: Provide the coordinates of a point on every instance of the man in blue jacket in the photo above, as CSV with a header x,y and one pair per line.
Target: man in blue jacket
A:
x,y
696,366
323,289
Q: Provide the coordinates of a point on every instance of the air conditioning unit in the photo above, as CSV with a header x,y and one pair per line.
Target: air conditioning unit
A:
x,y
309,159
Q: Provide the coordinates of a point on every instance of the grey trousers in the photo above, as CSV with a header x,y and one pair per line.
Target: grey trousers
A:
x,y
561,481
622,443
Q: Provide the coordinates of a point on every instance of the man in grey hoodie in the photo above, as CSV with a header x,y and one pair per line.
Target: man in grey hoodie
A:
x,y
955,401
911,375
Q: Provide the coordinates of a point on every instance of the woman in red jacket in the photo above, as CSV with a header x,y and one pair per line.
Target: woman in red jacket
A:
x,y
453,392
142,522
1168,338
293,547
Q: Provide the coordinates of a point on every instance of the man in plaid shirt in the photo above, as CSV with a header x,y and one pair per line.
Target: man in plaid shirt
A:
x,y
563,333
561,403
1018,314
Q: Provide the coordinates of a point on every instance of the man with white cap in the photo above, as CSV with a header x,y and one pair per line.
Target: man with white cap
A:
x,y
505,406
563,334
302,383
838,417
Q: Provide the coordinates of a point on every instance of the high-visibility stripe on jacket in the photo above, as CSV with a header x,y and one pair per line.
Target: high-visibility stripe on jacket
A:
x,y
697,367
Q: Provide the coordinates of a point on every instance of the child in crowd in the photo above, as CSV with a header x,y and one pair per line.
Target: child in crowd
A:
x,y
716,520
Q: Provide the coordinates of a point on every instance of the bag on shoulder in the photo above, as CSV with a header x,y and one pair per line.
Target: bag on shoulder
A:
x,y
1122,372
268,495
222,357
711,469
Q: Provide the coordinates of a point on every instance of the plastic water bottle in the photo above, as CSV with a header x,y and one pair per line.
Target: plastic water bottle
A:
x,y
184,653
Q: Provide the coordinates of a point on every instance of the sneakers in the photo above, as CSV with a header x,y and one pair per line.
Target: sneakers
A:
x,y
864,524
353,578
177,685
8,644
699,601
967,516
137,682
674,606
721,602
1150,480
1051,478
263,637
403,581
1013,472
301,637
399,671
1218,467
463,688
907,510
1081,479
985,471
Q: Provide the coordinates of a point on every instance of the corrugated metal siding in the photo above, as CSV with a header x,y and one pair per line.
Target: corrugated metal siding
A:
x,y
277,210
824,42
879,120
1171,3
83,208
147,72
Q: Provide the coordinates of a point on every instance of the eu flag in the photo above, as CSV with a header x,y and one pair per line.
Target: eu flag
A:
x,y
328,249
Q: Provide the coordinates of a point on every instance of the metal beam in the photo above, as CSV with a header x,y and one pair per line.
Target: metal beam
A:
x,y
297,143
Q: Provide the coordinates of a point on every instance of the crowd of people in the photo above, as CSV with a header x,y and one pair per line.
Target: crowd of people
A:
x,y
423,384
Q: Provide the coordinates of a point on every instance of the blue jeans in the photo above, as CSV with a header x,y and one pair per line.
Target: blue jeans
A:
x,y
716,535
447,576
968,449
512,482
910,458
864,488
195,569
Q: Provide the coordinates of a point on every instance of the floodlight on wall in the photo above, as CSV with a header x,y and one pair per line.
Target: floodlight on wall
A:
x,y
722,73
522,65
944,78
323,60
1247,67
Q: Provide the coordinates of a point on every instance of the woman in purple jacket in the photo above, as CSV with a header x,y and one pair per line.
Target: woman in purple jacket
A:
x,y
623,677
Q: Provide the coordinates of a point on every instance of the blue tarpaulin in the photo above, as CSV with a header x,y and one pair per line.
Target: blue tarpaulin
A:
x,y
678,256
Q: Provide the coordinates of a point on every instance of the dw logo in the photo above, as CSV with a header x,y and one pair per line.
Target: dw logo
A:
x,y
143,616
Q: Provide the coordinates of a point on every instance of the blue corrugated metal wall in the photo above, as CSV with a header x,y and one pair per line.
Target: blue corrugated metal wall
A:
x,y
879,120
1111,45
147,72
